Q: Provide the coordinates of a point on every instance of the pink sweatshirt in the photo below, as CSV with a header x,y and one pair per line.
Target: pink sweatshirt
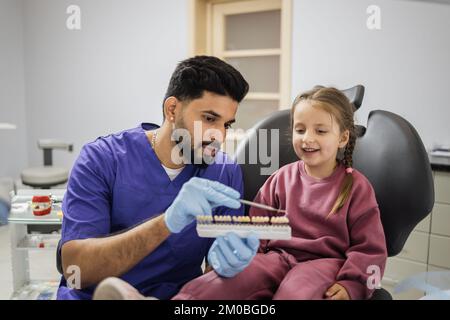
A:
x,y
353,233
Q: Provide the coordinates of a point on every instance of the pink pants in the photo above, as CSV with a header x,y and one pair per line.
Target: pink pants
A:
x,y
273,275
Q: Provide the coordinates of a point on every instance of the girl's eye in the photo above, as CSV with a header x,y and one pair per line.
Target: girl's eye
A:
x,y
322,131
228,126
301,131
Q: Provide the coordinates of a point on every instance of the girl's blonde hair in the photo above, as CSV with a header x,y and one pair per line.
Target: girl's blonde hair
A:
x,y
337,104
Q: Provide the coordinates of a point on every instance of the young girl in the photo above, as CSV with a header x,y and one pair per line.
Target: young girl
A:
x,y
337,249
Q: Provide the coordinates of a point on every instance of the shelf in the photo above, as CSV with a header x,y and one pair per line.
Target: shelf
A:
x,y
23,243
21,213
37,290
250,53
23,195
31,242
262,96
35,220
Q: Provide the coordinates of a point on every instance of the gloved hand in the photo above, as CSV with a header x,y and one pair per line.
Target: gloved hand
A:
x,y
4,212
198,197
231,254
5,204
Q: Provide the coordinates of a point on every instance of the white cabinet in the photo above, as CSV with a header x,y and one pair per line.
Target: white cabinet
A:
x,y
398,269
442,186
441,219
416,248
428,246
439,251
22,242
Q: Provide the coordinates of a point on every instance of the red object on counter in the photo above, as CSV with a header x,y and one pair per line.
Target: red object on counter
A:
x,y
41,205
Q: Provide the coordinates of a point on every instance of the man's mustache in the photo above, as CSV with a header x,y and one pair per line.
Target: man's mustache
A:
x,y
212,144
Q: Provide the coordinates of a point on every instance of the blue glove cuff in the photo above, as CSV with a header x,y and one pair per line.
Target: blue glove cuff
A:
x,y
172,228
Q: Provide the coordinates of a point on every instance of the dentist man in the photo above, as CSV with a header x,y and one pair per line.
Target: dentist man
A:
x,y
131,202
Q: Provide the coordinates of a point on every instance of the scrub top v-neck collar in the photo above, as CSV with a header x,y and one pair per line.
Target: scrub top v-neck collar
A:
x,y
162,178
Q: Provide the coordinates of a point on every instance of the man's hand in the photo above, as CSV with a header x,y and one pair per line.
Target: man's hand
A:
x,y
337,292
198,197
230,254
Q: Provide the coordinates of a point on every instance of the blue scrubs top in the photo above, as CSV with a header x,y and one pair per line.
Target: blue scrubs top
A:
x,y
118,182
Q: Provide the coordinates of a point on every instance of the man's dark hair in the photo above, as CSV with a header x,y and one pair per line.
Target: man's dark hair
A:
x,y
195,75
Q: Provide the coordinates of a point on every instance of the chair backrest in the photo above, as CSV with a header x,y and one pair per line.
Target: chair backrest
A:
x,y
389,152
392,156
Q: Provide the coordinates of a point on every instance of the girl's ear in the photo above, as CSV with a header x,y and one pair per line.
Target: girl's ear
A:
x,y
345,136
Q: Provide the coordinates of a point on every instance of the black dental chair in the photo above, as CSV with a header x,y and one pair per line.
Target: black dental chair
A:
x,y
389,152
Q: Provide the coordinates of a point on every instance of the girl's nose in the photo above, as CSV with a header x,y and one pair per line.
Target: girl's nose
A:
x,y
308,137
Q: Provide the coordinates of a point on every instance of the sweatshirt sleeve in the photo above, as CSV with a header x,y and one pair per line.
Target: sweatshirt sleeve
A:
x,y
367,253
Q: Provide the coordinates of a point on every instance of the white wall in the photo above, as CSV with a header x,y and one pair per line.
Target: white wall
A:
x,y
13,151
110,75
405,66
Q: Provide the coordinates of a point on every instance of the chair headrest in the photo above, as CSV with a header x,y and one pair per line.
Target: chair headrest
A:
x,y
355,95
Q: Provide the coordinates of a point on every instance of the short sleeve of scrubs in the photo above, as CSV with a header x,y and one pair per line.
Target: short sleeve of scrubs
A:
x,y
86,204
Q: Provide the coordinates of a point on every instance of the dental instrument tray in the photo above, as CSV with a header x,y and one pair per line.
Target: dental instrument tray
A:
x,y
267,228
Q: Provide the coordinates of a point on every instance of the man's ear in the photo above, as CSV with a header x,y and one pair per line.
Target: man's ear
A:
x,y
170,108
345,136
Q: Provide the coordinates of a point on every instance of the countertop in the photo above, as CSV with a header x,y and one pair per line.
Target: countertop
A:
x,y
440,163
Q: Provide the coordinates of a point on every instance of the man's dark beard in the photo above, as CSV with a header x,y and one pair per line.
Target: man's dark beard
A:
x,y
199,160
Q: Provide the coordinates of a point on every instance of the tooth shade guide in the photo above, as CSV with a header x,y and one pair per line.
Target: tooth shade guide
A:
x,y
205,219
260,220
243,219
279,220
264,227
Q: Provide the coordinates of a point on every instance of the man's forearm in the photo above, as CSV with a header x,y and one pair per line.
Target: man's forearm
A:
x,y
113,256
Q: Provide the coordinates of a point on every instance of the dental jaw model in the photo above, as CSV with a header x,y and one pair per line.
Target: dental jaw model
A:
x,y
268,228
41,205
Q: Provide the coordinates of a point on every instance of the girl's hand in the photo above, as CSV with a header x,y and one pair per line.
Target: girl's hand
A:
x,y
337,292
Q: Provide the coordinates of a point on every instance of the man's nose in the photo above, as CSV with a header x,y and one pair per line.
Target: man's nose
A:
x,y
215,135
218,138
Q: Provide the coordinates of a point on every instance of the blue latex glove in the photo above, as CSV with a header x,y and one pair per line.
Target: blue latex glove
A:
x,y
231,254
4,212
198,197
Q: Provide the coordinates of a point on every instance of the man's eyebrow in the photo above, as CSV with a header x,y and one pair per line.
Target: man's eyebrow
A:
x,y
215,114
